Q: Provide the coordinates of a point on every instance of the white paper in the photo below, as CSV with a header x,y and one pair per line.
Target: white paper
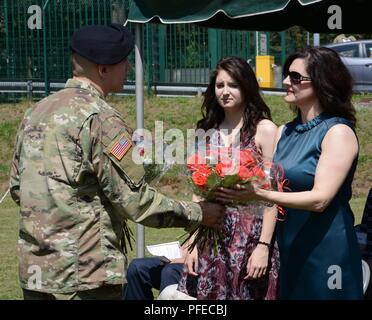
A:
x,y
170,250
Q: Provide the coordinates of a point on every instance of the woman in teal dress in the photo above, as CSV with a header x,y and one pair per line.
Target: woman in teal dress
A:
x,y
318,151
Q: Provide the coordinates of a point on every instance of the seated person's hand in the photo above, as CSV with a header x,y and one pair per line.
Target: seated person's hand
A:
x,y
184,253
191,261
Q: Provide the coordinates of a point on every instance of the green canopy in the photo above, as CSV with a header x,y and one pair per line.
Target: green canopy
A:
x,y
191,11
237,14
274,15
270,15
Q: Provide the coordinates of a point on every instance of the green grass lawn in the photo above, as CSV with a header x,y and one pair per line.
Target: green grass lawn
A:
x,y
179,113
9,288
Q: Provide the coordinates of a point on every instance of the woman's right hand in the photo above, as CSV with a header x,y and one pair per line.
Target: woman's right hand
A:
x,y
191,261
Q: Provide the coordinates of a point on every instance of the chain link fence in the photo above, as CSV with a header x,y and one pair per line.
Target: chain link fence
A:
x,y
35,45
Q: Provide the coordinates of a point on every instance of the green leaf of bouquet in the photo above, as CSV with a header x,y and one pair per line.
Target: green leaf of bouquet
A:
x,y
213,181
229,181
249,180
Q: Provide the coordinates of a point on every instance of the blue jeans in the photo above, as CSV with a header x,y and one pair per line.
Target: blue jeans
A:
x,y
147,273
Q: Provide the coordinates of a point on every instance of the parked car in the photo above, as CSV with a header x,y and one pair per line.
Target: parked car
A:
x,y
357,56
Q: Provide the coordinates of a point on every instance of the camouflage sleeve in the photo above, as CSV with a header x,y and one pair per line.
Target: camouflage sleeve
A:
x,y
14,167
122,182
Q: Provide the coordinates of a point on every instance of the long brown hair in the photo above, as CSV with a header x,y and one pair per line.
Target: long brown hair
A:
x,y
331,80
255,107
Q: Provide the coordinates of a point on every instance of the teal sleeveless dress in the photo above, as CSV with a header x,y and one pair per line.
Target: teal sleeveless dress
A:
x,y
319,253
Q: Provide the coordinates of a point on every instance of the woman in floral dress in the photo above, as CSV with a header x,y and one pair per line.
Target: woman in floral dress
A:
x,y
244,265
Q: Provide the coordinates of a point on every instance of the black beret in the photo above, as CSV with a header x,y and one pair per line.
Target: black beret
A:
x,y
103,44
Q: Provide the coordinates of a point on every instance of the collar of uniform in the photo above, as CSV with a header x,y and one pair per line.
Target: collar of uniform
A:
x,y
75,83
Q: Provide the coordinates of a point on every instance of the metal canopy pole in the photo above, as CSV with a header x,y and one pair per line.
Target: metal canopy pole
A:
x,y
139,119
316,39
46,76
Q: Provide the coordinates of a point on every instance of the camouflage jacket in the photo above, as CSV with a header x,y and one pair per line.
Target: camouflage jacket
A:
x,y
75,193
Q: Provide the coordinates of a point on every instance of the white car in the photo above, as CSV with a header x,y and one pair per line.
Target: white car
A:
x,y
357,56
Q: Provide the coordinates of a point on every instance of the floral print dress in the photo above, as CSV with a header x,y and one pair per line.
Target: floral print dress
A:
x,y
222,269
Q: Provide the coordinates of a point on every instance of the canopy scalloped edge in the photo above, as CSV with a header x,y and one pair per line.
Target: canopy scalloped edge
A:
x,y
215,13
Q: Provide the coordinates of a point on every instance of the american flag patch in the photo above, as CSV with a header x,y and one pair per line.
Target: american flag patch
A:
x,y
121,147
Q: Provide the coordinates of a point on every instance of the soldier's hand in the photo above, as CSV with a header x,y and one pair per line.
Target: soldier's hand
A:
x,y
212,214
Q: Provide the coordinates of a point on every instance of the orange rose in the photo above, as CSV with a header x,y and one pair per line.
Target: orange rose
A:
x,y
244,173
200,177
224,169
246,158
258,172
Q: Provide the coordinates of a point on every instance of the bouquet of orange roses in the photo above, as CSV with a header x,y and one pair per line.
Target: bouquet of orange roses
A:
x,y
226,167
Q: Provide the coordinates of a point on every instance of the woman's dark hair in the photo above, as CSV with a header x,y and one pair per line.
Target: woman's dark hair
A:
x,y
255,108
331,80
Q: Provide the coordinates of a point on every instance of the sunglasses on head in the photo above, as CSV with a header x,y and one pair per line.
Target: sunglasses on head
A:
x,y
296,77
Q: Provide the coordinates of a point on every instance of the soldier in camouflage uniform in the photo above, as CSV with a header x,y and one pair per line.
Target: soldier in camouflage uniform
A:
x,y
76,183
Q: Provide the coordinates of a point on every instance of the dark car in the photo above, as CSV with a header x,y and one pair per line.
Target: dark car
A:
x,y
357,56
